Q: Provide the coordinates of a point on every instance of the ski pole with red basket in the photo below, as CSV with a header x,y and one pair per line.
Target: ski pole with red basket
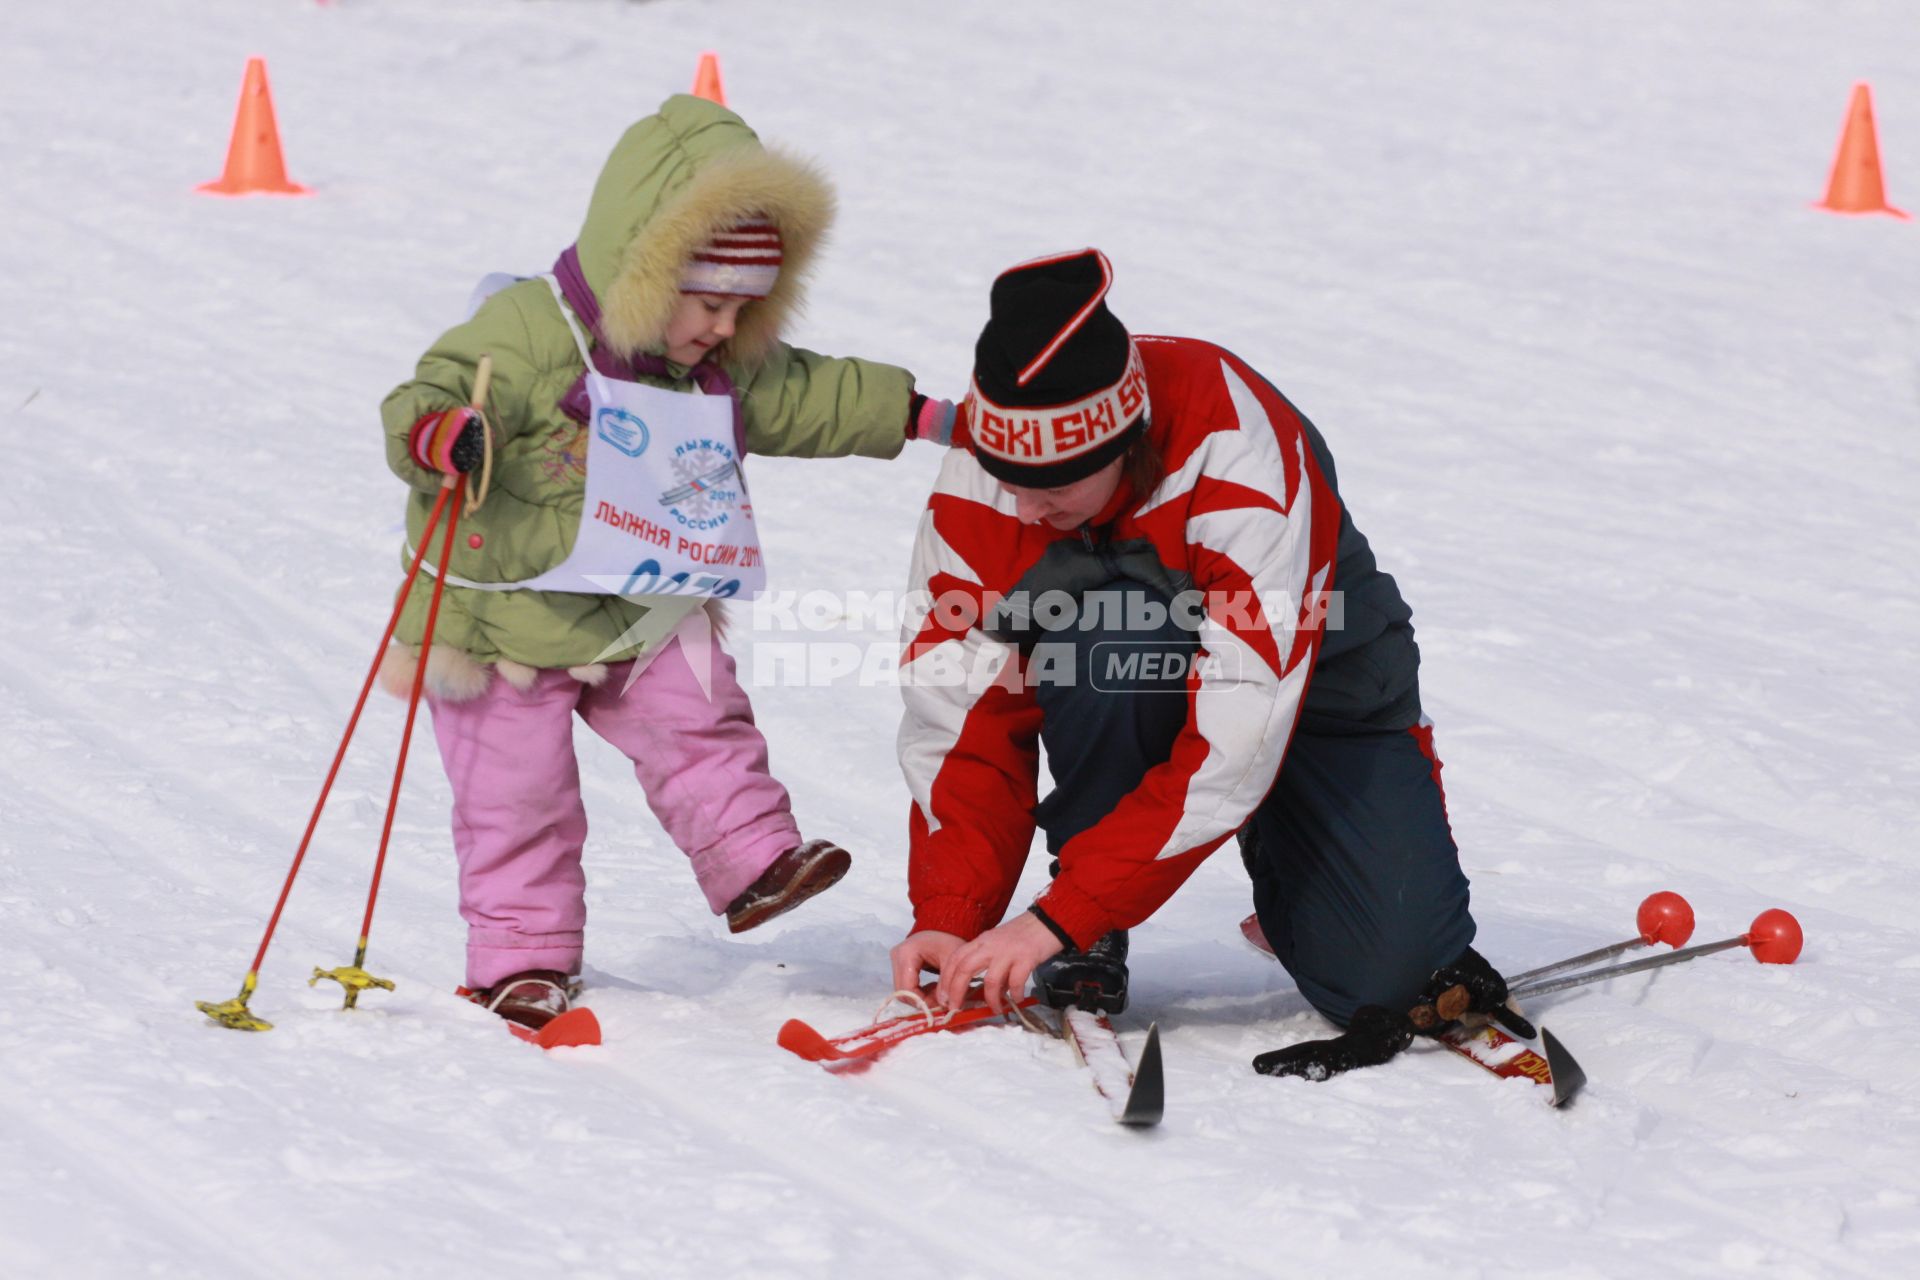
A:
x,y
1664,917
1774,937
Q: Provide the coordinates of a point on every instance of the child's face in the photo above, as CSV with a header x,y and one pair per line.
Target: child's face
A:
x,y
701,322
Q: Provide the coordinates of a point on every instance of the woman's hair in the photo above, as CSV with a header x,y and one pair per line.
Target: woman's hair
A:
x,y
1141,465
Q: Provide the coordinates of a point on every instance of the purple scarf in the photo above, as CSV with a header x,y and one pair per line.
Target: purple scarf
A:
x,y
711,378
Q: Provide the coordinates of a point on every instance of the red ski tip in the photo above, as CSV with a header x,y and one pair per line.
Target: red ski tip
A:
x,y
569,1030
1665,917
799,1038
1775,937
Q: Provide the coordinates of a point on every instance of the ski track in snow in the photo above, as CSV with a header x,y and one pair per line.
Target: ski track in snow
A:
x,y
1637,431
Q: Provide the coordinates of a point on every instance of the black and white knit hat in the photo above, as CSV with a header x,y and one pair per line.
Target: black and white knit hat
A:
x,y
742,261
1058,387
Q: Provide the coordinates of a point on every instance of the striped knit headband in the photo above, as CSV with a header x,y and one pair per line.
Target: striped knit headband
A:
x,y
742,261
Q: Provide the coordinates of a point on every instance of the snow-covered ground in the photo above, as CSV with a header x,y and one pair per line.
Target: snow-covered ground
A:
x,y
1637,430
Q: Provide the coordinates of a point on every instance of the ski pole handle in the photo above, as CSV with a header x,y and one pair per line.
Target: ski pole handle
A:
x,y
1774,938
482,381
1664,917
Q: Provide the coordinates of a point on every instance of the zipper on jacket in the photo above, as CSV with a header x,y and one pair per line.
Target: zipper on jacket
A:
x,y
1102,547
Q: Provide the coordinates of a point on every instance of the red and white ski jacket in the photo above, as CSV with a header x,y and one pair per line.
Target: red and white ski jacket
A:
x,y
1245,513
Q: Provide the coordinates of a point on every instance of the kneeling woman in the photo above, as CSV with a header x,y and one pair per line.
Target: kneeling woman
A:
x,y
1132,565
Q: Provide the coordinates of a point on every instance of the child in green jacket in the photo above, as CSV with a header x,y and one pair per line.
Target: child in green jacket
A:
x,y
625,387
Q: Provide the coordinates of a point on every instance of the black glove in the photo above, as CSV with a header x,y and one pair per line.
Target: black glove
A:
x,y
1374,1036
469,448
1468,985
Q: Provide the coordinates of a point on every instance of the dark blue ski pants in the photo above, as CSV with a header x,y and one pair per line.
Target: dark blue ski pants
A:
x,y
1356,878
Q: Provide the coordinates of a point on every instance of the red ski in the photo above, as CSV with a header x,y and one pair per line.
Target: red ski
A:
x,y
798,1038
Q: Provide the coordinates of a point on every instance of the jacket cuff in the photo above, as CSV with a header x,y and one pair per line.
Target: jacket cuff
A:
x,y
1083,918
961,917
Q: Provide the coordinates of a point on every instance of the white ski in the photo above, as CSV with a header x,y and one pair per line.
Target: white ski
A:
x,y
1136,1095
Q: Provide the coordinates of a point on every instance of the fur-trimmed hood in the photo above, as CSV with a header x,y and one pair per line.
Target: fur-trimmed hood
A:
x,y
674,180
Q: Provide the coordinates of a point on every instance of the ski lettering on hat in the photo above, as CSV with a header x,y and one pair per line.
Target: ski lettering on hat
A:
x,y
1063,431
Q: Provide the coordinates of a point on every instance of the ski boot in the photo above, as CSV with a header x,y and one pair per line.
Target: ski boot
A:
x,y
532,999
1094,980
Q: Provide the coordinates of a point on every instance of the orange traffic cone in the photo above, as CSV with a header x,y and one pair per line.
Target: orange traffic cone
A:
x,y
1855,185
254,164
706,81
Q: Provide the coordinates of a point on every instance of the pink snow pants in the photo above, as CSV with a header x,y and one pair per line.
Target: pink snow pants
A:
x,y
519,824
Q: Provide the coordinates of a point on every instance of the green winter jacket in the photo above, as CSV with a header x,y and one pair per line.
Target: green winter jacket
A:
x,y
673,180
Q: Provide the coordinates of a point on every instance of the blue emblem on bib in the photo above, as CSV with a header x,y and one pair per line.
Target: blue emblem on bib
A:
x,y
623,431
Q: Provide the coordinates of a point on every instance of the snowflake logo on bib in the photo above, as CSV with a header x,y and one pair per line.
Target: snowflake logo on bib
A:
x,y
710,487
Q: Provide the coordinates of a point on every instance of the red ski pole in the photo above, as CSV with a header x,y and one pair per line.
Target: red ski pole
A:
x,y
1664,917
1774,937
234,1013
354,977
